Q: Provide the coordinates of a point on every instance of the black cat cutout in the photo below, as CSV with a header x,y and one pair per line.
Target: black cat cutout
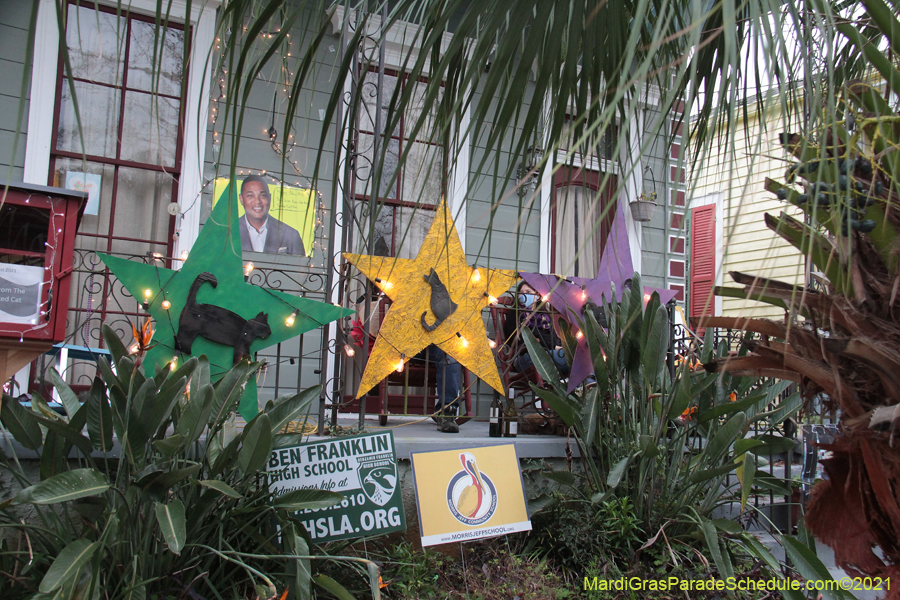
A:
x,y
217,324
441,304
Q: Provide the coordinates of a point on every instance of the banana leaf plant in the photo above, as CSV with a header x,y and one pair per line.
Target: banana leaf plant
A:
x,y
677,448
149,488
845,345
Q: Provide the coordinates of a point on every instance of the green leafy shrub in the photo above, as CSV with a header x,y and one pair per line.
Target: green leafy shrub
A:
x,y
413,573
575,537
496,574
487,570
165,496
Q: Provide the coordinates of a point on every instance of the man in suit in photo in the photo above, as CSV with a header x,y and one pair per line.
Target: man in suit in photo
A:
x,y
261,232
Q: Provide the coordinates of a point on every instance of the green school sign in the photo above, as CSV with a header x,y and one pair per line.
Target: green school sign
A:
x,y
363,468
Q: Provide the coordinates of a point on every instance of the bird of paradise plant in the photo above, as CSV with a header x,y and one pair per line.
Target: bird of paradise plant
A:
x,y
142,339
668,446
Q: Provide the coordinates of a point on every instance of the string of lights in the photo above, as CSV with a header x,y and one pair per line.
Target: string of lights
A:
x,y
462,341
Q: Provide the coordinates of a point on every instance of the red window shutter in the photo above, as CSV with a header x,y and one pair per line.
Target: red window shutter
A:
x,y
703,259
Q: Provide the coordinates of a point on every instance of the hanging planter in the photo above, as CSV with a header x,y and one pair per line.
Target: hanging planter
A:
x,y
643,208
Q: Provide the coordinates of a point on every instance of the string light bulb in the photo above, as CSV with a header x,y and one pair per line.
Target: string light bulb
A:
x,y
133,349
646,298
173,364
579,335
583,293
401,363
476,275
491,299
462,340
545,298
147,293
492,343
348,350
384,283
290,320
248,268
166,304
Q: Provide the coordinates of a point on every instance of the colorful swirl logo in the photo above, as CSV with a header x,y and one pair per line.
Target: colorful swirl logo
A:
x,y
471,495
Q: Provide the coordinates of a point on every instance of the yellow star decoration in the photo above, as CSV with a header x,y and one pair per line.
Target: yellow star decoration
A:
x,y
462,334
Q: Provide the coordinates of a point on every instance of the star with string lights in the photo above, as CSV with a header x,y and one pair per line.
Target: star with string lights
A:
x,y
211,290
569,296
437,298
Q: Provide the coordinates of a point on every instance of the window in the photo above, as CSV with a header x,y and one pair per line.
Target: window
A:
x,y
580,226
581,213
408,194
406,205
703,260
127,81
127,78
597,146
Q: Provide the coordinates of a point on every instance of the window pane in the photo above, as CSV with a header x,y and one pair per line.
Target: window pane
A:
x,y
99,108
383,237
412,224
416,108
143,197
422,174
96,216
96,42
384,232
368,97
399,231
150,132
598,144
364,172
160,73
578,245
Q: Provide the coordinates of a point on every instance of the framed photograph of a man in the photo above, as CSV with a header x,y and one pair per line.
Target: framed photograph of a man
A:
x,y
273,219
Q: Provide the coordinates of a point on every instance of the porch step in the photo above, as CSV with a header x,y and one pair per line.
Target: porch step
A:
x,y
412,434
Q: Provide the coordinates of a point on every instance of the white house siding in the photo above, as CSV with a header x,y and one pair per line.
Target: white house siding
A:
x,y
738,173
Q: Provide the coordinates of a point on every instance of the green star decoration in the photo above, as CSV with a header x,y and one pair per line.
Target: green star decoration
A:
x,y
217,251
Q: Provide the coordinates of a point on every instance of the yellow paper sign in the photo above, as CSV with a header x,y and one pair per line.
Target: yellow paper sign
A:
x,y
469,494
291,222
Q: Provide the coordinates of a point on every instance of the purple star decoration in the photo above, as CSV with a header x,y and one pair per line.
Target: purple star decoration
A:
x,y
568,298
